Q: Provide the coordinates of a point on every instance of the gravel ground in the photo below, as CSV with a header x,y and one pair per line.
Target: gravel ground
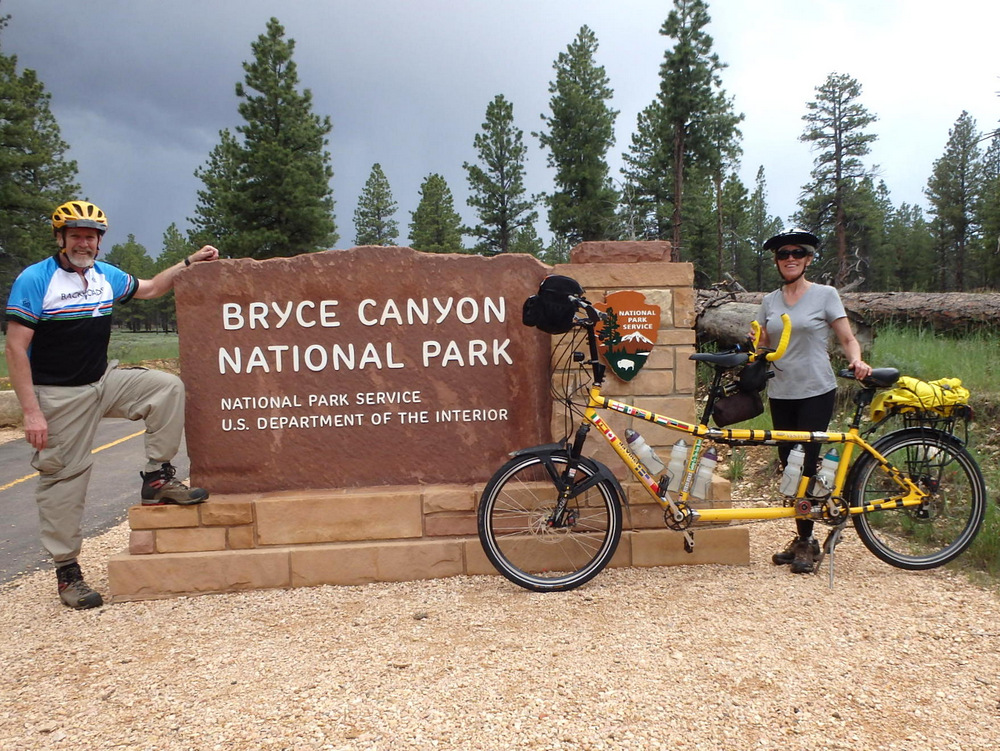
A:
x,y
707,657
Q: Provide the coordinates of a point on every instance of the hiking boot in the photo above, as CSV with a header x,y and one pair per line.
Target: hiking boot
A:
x,y
73,590
810,549
160,488
806,555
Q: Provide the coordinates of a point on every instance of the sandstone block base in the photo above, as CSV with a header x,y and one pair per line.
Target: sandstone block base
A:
x,y
146,577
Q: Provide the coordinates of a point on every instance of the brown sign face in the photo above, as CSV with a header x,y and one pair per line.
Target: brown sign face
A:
x,y
629,334
370,366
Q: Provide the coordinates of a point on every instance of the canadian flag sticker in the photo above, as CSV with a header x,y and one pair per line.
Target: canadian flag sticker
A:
x,y
628,335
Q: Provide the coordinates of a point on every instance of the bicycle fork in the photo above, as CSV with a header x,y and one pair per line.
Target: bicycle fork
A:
x,y
561,517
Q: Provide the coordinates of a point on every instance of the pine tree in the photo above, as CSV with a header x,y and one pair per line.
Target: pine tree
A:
x,y
436,227
909,248
215,221
580,130
175,249
268,189
130,256
556,252
647,198
988,216
373,220
737,249
723,158
527,241
700,227
691,126
689,83
835,126
761,227
35,174
873,208
953,194
496,188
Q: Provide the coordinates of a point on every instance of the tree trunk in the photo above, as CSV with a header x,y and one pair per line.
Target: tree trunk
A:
x,y
718,221
949,311
675,249
729,325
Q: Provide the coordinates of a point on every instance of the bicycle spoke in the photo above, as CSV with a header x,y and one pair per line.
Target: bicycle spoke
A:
x,y
529,542
943,526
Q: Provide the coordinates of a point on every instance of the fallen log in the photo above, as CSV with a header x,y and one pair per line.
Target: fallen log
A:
x,y
940,311
727,324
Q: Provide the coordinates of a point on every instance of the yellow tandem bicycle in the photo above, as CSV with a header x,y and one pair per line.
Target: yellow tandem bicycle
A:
x,y
550,519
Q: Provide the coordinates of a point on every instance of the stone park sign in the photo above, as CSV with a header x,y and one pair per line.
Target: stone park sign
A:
x,y
362,367
346,408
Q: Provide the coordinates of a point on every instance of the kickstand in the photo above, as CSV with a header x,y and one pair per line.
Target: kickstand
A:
x,y
831,542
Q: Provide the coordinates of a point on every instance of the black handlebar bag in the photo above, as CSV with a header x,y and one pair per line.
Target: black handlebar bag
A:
x,y
743,405
746,403
552,310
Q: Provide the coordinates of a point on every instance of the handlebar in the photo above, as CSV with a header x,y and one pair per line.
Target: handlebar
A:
x,y
593,314
771,354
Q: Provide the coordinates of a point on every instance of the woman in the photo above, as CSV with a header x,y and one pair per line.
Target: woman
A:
x,y
804,387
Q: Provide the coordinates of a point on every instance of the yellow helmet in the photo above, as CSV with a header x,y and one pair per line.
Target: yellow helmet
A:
x,y
79,214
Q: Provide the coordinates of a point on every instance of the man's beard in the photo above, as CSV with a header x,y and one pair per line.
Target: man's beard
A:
x,y
87,262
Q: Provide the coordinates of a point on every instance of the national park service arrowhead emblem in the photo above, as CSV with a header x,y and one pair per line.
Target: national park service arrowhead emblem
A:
x,y
628,335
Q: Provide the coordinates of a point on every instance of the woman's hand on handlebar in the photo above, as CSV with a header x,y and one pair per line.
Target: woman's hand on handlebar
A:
x,y
761,342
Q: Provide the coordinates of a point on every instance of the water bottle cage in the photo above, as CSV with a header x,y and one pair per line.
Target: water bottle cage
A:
x,y
819,487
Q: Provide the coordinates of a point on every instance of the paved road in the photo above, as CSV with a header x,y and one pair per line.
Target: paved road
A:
x,y
114,486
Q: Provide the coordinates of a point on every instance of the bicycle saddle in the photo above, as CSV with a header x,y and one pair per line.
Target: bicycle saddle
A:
x,y
722,359
880,378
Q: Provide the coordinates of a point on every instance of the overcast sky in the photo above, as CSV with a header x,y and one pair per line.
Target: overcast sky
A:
x,y
141,88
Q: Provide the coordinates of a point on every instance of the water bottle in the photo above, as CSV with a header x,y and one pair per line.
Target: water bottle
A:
x,y
703,477
678,462
644,451
822,483
793,472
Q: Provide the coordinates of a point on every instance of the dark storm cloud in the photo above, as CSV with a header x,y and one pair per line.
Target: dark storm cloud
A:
x,y
141,89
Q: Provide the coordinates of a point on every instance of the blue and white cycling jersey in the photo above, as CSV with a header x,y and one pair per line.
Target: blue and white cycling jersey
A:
x,y
71,317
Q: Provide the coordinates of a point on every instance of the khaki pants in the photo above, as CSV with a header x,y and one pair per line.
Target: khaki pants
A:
x,y
73,414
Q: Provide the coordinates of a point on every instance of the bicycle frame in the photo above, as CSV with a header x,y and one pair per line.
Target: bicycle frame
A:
x,y
910,494
683,515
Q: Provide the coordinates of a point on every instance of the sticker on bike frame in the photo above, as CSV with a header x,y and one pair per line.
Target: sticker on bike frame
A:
x,y
614,440
643,414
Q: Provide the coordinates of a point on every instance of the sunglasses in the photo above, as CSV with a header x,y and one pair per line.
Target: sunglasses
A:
x,y
784,255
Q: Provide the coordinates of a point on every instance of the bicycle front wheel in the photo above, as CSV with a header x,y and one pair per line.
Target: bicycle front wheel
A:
x,y
941,528
530,541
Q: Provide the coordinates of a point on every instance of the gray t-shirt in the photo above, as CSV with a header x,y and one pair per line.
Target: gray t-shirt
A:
x,y
805,369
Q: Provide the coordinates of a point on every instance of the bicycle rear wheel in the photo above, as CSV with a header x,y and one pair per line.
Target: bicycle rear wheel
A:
x,y
529,543
940,529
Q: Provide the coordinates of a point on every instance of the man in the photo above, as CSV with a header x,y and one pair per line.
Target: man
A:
x,y
59,325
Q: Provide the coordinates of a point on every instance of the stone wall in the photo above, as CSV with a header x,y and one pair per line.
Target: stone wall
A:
x,y
415,530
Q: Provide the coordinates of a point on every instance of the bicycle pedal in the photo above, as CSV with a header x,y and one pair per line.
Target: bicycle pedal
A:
x,y
688,542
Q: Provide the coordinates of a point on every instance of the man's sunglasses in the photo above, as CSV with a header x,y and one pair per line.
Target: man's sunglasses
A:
x,y
784,255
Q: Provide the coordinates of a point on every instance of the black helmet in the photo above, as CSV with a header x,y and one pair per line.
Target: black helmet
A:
x,y
794,236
